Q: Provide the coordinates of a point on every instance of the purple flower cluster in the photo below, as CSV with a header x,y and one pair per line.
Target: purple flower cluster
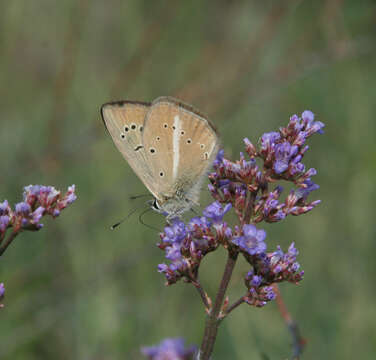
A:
x,y
185,245
37,201
244,186
269,269
170,349
2,293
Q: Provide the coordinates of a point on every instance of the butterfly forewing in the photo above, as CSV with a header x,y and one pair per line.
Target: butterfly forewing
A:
x,y
180,145
124,121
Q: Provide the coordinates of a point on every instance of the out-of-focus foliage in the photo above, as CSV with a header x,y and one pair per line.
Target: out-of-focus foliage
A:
x,y
76,290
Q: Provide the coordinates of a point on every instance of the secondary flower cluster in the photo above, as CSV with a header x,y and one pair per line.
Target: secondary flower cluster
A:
x,y
170,349
269,269
244,186
37,201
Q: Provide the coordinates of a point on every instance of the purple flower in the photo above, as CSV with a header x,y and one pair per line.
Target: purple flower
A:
x,y
175,233
306,189
259,295
311,126
256,281
308,116
215,211
296,166
2,292
4,208
48,196
250,148
268,140
252,242
283,153
22,209
4,222
170,349
173,252
202,223
246,166
37,214
68,198
31,193
284,265
219,158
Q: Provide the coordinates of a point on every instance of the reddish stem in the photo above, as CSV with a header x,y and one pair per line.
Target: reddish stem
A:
x,y
298,341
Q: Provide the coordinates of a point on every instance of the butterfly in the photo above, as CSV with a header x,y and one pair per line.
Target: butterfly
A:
x,y
168,144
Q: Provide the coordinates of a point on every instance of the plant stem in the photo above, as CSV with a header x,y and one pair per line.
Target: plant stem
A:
x,y
8,241
298,341
234,305
212,320
202,293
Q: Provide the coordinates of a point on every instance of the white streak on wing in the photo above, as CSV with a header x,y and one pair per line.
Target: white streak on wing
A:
x,y
175,146
212,147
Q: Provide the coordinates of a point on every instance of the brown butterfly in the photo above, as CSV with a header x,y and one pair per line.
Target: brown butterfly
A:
x,y
168,144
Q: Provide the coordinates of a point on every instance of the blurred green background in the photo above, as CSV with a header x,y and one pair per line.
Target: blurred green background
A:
x,y
76,290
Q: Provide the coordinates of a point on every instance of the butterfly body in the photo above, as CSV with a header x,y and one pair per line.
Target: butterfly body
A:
x,y
168,144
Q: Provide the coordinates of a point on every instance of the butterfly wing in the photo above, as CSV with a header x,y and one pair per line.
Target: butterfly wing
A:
x,y
124,120
180,146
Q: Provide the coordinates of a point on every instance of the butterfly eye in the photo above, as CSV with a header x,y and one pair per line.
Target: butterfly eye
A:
x,y
133,126
189,141
157,138
155,205
173,128
182,132
165,125
126,128
122,136
202,146
141,128
161,174
152,150
206,156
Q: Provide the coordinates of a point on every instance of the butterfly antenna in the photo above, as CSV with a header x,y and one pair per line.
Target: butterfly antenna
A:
x,y
113,227
134,197
194,211
142,222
